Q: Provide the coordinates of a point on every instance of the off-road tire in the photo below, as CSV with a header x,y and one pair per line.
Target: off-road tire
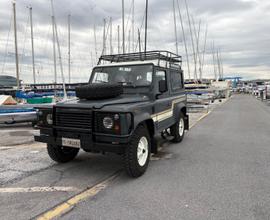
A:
x,y
132,166
62,154
174,130
99,91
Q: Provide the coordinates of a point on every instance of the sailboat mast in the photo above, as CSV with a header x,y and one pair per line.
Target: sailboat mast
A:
x,y
204,48
123,25
69,74
111,44
175,28
139,40
214,61
54,52
95,41
133,26
192,41
118,38
221,65
146,27
16,45
184,38
59,53
218,62
32,42
129,40
197,52
104,37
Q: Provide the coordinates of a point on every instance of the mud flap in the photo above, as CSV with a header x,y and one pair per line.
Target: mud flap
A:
x,y
186,118
154,145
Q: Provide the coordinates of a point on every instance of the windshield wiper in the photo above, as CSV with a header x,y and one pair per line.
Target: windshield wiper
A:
x,y
101,81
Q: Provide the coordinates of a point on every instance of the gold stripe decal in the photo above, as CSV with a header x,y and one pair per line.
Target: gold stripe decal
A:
x,y
161,116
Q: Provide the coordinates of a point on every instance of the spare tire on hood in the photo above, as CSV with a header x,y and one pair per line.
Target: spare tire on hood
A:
x,y
99,91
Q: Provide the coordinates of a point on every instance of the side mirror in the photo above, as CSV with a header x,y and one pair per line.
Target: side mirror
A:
x,y
162,85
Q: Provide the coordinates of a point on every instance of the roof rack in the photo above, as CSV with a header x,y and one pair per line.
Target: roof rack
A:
x,y
143,56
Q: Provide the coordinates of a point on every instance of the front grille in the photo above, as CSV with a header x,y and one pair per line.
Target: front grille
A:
x,y
73,118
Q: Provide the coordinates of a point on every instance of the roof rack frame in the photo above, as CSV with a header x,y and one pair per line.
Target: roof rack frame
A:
x,y
159,55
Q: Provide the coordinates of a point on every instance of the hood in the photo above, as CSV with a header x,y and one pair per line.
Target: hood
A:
x,y
99,104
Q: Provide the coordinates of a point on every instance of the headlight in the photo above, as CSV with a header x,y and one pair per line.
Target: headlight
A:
x,y
49,119
45,117
108,122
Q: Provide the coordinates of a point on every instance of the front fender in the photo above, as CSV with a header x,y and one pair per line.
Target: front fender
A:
x,y
139,118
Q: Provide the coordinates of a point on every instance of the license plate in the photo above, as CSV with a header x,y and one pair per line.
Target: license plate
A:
x,y
68,142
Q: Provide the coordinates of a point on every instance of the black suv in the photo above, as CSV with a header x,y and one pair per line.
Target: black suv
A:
x,y
130,99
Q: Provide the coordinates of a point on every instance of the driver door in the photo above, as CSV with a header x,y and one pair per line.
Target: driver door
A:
x,y
163,102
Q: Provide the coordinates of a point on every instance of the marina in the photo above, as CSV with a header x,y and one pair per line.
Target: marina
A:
x,y
143,109
200,91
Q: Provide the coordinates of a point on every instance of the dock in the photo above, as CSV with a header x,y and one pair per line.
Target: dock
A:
x,y
220,171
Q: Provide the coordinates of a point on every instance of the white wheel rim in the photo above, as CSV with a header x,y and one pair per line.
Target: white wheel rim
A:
x,y
181,127
142,151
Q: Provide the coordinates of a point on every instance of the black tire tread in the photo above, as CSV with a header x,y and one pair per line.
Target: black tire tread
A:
x,y
58,156
130,162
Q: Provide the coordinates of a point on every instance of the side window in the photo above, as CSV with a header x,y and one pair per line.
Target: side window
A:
x,y
160,75
176,80
149,77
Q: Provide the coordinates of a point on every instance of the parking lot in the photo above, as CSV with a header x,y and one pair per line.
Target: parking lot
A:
x,y
212,174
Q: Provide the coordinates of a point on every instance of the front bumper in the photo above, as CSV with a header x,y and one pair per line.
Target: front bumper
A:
x,y
89,142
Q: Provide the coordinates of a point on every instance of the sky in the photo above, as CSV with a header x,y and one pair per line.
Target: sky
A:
x,y
239,29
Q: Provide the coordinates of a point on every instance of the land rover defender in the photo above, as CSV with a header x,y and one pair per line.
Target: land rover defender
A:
x,y
130,99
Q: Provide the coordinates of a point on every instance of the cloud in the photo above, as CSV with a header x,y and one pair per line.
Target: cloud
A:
x,y
240,29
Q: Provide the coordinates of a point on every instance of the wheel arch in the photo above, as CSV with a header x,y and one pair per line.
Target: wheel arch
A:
x,y
181,107
149,124
184,110
146,120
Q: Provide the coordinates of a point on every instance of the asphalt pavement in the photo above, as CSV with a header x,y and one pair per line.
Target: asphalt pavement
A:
x,y
220,171
17,134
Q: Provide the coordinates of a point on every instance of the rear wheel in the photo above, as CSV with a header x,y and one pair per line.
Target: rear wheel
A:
x,y
62,154
178,129
137,154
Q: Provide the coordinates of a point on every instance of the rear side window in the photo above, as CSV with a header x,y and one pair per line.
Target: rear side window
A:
x,y
161,75
176,80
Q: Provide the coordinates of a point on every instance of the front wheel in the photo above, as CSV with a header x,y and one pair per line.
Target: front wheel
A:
x,y
62,154
178,129
137,153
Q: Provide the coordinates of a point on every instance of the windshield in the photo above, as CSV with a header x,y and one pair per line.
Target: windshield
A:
x,y
126,75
